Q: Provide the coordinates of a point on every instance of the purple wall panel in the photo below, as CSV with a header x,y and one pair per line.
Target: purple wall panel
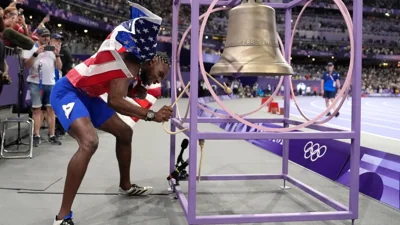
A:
x,y
9,94
379,172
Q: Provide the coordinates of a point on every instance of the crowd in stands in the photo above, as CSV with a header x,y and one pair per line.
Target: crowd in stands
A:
x,y
388,4
115,11
374,79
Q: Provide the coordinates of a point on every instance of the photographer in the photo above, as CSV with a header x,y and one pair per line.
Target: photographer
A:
x,y
42,61
13,18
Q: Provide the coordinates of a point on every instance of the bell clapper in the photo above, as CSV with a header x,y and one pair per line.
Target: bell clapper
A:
x,y
227,89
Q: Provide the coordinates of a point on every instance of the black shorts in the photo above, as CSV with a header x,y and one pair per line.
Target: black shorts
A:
x,y
329,94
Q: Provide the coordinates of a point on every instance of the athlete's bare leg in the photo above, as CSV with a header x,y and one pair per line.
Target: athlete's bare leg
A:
x,y
86,136
123,134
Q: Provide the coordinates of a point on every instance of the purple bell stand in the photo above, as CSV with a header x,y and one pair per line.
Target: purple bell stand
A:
x,y
189,204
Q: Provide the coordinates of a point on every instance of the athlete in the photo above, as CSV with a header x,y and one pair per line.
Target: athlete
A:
x,y
330,83
128,52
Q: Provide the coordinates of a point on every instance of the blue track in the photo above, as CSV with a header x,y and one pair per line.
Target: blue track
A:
x,y
379,116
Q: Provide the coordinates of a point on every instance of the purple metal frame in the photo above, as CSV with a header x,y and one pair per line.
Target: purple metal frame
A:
x,y
189,204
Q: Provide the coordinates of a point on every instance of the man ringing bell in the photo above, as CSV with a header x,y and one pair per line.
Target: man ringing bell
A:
x,y
128,52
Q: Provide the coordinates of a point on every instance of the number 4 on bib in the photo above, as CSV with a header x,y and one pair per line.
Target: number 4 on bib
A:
x,y
68,109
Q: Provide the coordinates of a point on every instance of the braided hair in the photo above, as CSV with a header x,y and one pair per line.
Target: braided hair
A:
x,y
164,57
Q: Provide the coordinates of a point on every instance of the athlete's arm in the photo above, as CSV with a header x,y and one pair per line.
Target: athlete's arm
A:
x,y
117,101
140,91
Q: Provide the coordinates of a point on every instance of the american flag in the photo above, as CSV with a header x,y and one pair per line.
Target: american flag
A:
x,y
137,36
153,92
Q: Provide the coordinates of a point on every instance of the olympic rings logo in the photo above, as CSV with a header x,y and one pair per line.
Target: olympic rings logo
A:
x,y
314,151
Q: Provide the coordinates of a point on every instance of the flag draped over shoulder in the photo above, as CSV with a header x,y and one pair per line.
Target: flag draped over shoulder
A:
x,y
153,92
137,36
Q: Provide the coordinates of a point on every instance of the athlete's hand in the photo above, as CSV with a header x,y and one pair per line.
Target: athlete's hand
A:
x,y
322,93
140,91
164,114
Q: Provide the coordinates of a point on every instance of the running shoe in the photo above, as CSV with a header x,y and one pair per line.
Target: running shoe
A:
x,y
136,190
66,221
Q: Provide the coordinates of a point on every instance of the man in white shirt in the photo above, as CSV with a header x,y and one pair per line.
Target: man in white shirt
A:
x,y
42,61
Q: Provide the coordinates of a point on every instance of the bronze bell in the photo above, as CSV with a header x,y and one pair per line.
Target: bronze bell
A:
x,y
251,47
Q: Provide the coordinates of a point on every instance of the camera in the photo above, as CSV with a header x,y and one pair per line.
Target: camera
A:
x,y
49,48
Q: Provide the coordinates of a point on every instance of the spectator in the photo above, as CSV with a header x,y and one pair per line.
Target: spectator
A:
x,y
42,63
40,26
15,20
235,86
12,20
66,60
22,24
167,89
10,15
54,41
4,77
65,54
255,88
